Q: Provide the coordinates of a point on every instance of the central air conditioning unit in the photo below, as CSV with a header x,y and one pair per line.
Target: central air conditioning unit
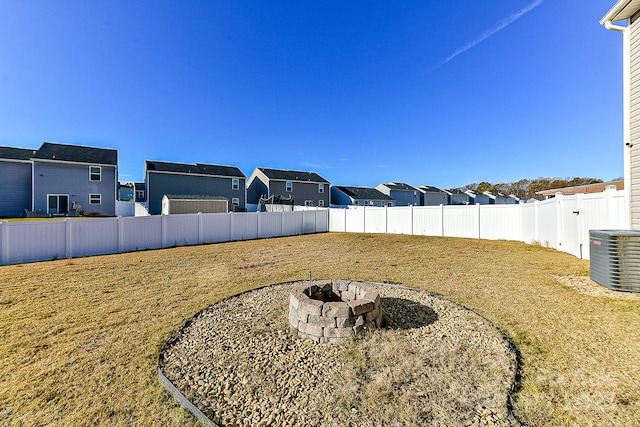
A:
x,y
615,259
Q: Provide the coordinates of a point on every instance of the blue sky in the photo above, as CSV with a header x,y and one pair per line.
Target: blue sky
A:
x,y
423,92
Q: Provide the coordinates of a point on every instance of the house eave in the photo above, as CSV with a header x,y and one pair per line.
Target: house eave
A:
x,y
197,174
69,162
622,10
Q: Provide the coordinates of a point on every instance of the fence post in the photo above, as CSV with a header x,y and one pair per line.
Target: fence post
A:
x,y
163,230
559,231
67,238
230,227
4,242
200,231
441,220
536,213
120,235
411,218
478,220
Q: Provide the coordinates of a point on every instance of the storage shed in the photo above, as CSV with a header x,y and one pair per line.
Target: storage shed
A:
x,y
189,204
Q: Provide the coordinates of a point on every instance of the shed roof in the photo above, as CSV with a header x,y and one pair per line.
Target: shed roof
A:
x,y
193,197
364,193
76,153
194,169
13,153
291,175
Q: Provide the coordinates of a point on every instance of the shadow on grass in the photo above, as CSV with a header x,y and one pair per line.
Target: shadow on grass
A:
x,y
406,314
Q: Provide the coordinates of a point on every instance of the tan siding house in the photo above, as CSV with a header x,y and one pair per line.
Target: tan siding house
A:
x,y
624,18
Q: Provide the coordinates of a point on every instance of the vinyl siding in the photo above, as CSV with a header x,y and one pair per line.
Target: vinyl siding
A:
x,y
301,191
15,188
161,184
634,214
73,179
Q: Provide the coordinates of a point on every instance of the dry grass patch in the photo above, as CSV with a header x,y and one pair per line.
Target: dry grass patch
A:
x,y
79,339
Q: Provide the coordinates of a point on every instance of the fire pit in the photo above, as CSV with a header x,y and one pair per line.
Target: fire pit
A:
x,y
328,311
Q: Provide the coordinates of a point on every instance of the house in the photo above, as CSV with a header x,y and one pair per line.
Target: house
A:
x,y
501,199
477,198
458,197
139,192
197,179
15,184
358,196
626,12
305,188
433,196
403,194
584,189
125,192
74,177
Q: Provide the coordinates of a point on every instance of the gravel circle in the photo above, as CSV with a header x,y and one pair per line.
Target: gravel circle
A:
x,y
436,363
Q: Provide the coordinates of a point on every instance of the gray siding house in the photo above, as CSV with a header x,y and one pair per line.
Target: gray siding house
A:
x,y
342,196
15,181
403,194
458,197
627,12
477,198
433,196
306,188
165,178
67,174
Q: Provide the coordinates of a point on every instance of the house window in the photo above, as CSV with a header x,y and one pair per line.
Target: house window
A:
x,y
235,184
321,203
308,202
355,202
95,199
390,204
140,194
320,188
58,204
95,173
235,201
289,186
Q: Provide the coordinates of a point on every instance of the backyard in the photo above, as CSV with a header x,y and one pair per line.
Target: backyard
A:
x,y
80,338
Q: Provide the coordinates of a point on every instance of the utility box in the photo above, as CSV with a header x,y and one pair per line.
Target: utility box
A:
x,y
615,259
187,204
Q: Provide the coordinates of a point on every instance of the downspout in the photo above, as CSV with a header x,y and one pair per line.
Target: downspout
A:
x,y
626,110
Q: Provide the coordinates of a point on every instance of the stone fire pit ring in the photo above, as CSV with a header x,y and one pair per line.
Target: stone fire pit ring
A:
x,y
329,311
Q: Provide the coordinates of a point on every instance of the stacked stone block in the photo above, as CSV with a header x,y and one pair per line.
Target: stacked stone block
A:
x,y
328,311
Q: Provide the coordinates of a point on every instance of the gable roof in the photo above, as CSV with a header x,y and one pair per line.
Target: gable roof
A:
x,y
363,193
584,189
76,153
194,169
12,153
289,175
400,186
430,189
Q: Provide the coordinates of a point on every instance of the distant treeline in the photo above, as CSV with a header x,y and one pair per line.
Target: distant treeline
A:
x,y
527,188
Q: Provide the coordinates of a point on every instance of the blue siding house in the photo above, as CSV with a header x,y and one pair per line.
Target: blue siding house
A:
x,y
303,188
69,177
15,181
433,196
403,194
197,179
342,196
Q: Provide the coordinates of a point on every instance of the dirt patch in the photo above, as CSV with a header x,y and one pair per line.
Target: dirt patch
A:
x,y
586,286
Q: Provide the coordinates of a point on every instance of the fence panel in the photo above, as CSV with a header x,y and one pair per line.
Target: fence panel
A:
x,y
337,220
460,221
500,222
528,222
181,230
427,220
376,220
269,224
138,233
244,226
89,237
548,223
34,241
399,220
355,220
215,228
309,221
292,223
322,220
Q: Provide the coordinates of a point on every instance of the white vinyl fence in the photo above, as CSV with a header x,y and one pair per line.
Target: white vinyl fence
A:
x,y
562,222
48,240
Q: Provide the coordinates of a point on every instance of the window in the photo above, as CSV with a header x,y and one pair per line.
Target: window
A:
x,y
320,188
95,173
235,184
140,194
389,204
308,202
235,201
321,203
95,199
289,186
